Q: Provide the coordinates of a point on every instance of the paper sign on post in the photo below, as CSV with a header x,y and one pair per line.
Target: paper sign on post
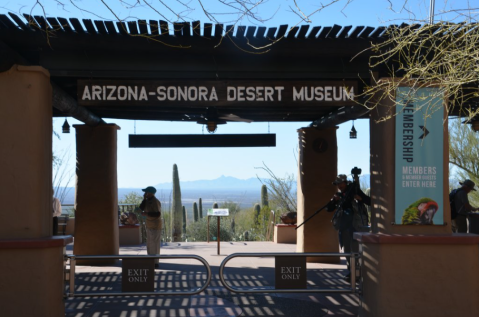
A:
x,y
218,212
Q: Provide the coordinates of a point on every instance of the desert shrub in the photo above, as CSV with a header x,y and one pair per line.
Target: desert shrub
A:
x,y
197,231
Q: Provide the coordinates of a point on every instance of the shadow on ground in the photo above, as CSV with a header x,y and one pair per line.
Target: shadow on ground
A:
x,y
215,300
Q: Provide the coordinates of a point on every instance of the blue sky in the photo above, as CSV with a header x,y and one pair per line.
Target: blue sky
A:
x,y
142,167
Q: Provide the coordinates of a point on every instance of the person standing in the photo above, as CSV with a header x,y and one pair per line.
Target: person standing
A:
x,y
350,213
57,211
463,206
151,209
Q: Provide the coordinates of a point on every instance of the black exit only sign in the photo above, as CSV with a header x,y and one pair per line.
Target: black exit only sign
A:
x,y
290,272
138,275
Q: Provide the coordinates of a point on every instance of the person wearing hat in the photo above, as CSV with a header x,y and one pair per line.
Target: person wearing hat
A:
x,y
151,209
351,214
463,206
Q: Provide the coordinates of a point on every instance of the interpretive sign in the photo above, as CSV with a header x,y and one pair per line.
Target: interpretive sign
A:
x,y
419,157
218,212
290,272
138,275
215,93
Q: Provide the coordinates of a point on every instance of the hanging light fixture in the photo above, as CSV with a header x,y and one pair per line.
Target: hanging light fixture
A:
x,y
66,127
211,120
353,134
211,126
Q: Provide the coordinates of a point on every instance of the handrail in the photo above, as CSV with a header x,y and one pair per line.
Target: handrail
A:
x,y
73,259
352,289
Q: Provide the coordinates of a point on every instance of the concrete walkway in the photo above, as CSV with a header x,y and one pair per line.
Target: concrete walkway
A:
x,y
186,274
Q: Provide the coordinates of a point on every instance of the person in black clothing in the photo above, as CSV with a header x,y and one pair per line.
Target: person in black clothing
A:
x,y
351,214
463,207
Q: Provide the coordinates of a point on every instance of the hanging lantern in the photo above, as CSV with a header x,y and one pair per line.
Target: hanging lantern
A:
x,y
66,127
353,134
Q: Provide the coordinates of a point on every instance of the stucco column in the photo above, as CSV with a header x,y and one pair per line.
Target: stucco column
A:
x,y
96,196
318,155
31,260
25,153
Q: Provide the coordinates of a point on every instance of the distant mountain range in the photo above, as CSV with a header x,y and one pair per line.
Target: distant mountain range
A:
x,y
224,188
221,183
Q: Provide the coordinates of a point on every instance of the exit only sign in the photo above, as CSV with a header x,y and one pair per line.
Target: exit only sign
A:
x,y
290,272
138,275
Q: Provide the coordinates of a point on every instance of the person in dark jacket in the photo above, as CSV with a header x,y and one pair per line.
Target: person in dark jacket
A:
x,y
463,206
351,214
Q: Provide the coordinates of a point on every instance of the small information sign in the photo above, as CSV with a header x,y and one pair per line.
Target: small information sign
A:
x,y
138,275
290,272
218,212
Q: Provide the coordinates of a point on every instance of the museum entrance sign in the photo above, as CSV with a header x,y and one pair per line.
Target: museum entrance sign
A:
x,y
215,93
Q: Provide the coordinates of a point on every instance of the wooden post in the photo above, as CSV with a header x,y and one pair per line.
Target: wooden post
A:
x,y
218,236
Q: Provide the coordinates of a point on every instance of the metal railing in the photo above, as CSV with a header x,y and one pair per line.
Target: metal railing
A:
x,y
351,289
71,274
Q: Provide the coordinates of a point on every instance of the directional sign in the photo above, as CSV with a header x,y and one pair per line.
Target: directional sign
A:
x,y
218,212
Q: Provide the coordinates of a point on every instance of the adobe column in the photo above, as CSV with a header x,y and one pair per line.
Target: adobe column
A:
x,y
96,196
31,260
318,156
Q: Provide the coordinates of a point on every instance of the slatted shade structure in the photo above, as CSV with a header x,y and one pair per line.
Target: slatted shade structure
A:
x,y
73,50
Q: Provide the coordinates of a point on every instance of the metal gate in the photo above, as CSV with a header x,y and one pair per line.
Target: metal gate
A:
x,y
347,290
71,274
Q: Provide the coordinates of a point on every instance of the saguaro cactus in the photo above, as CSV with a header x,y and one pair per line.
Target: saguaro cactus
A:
x,y
257,211
233,225
176,207
184,219
200,208
264,196
195,211
215,205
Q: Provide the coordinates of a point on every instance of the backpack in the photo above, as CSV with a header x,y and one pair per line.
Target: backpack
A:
x,y
452,202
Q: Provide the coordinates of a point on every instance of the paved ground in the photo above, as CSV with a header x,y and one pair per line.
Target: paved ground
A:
x,y
216,300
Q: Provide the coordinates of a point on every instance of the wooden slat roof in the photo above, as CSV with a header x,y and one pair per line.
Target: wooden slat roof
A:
x,y
73,49
185,29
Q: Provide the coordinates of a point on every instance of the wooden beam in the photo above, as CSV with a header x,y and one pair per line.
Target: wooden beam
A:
x,y
201,140
66,104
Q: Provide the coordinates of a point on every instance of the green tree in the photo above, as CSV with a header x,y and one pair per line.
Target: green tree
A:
x,y
177,214
132,198
463,154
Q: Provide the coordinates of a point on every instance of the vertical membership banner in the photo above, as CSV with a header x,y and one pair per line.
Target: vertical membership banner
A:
x,y
419,157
